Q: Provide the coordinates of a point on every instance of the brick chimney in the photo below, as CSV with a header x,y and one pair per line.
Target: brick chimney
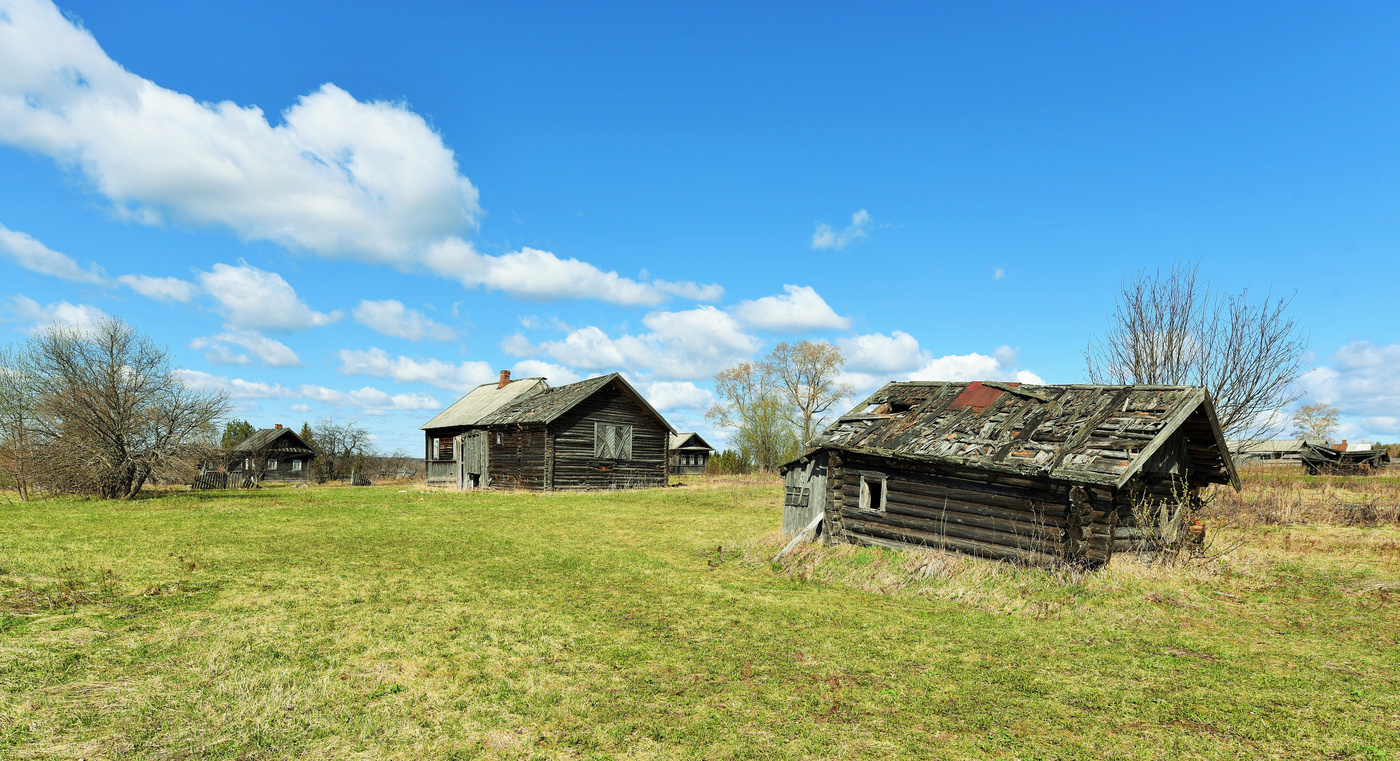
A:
x,y
1342,447
278,426
505,378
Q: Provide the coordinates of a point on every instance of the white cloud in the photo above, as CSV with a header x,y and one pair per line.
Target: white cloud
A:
x,y
299,407
1359,379
678,395
369,399
997,274
875,359
267,351
392,318
689,290
802,309
160,288
557,375
685,345
338,176
253,298
827,237
34,256
540,275
377,363
237,388
81,316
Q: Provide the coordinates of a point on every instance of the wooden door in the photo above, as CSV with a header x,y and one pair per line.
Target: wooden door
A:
x,y
804,494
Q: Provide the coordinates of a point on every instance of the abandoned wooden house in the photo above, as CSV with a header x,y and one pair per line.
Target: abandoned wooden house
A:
x,y
268,454
1027,474
598,433
689,454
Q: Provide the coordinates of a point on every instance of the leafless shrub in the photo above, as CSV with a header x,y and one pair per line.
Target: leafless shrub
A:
x,y
104,413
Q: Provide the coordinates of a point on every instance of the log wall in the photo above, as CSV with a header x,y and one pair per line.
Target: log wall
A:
x,y
574,463
517,460
1024,520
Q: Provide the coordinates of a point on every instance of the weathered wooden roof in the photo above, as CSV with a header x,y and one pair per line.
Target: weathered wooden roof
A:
x,y
271,440
550,403
689,440
1086,433
482,401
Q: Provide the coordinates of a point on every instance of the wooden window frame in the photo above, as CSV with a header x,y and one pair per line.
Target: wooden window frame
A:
x,y
612,441
865,498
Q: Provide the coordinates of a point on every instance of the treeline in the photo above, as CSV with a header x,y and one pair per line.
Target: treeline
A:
x,y
100,412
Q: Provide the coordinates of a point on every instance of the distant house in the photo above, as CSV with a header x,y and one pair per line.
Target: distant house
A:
x,y
1028,474
1277,450
273,454
598,433
689,454
268,454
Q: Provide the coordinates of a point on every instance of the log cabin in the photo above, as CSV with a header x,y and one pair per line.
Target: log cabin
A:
x,y
1034,475
689,454
598,433
268,454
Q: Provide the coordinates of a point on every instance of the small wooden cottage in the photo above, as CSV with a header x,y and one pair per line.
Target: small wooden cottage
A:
x,y
598,433
1028,474
689,454
268,454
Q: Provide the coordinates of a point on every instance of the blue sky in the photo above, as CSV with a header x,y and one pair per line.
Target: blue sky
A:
x,y
360,210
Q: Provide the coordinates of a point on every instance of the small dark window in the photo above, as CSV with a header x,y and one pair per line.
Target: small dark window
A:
x,y
872,493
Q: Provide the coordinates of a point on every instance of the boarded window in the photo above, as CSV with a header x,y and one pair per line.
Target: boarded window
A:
x,y
612,441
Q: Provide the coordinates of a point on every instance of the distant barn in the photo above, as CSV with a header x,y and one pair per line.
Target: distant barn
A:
x,y
598,433
1029,474
690,454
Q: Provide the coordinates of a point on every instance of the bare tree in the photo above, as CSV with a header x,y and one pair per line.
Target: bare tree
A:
x,y
110,413
1316,421
19,455
1170,329
342,447
752,404
807,372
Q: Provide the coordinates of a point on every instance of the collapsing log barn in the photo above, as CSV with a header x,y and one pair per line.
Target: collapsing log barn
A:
x,y
1027,474
598,433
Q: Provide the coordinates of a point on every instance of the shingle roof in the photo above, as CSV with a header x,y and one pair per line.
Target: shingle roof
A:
x,y
482,401
1089,433
263,438
679,440
550,403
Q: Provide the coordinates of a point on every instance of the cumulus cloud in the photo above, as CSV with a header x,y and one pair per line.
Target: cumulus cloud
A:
x,y
160,288
557,375
1359,379
335,175
34,256
541,276
236,388
252,298
827,237
392,318
267,351
802,309
684,345
876,358
370,400
997,274
678,395
377,363
81,316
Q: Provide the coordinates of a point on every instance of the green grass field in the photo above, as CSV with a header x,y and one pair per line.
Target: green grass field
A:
x,y
394,622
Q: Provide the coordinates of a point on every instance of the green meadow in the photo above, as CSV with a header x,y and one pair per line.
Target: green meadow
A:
x,y
394,622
